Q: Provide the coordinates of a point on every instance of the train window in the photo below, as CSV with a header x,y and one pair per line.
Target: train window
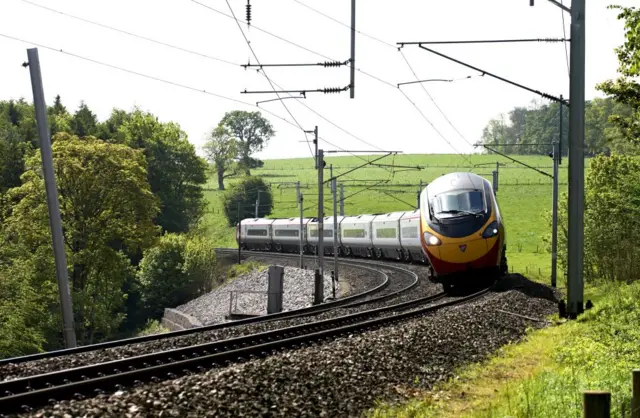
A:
x,y
410,232
286,233
257,232
451,202
327,233
386,233
354,233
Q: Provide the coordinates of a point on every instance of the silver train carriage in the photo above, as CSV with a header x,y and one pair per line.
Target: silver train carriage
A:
x,y
394,236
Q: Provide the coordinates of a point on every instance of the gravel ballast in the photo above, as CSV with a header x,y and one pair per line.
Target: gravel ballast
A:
x,y
340,378
212,307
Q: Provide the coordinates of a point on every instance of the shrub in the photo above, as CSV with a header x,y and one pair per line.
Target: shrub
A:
x,y
176,270
611,220
245,193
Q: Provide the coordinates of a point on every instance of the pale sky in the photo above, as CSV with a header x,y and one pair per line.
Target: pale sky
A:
x,y
379,114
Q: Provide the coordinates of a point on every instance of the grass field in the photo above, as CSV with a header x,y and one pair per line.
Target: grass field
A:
x,y
524,195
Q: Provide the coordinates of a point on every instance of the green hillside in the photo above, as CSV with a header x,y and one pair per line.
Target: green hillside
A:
x,y
524,195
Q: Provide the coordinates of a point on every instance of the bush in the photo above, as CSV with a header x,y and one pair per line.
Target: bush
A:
x,y
245,194
175,271
611,220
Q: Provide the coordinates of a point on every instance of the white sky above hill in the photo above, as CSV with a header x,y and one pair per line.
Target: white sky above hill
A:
x,y
379,114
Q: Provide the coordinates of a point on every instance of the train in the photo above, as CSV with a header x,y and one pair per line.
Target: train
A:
x,y
457,231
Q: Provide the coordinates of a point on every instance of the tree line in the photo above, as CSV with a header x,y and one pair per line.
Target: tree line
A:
x,y
131,202
531,130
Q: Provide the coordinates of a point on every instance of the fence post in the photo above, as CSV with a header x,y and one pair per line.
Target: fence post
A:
x,y
596,404
635,400
274,299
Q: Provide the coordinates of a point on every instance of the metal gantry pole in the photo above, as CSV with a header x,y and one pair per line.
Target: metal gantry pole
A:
x,y
320,164
341,199
335,228
575,289
55,221
352,84
554,223
300,199
239,235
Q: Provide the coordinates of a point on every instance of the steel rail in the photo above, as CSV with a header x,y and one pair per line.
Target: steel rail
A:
x,y
198,358
342,302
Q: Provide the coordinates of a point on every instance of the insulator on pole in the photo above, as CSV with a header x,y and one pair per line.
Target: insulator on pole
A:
x,y
249,12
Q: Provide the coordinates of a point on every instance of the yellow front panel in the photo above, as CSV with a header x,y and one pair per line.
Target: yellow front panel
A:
x,y
451,252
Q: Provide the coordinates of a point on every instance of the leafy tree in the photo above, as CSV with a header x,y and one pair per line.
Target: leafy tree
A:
x,y
84,121
626,89
251,130
612,220
109,129
532,130
22,313
175,271
60,120
107,209
176,174
221,149
243,195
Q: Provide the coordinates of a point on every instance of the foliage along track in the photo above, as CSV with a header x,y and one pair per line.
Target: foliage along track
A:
x,y
342,302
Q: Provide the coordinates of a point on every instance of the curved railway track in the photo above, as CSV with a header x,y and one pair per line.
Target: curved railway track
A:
x,y
387,287
22,395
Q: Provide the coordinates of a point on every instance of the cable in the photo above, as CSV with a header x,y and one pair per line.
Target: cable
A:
x,y
268,79
394,85
564,35
115,67
435,129
433,101
345,25
132,34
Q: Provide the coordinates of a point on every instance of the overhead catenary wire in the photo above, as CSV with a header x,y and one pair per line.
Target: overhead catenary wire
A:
x,y
432,100
267,77
223,61
135,35
564,34
151,77
395,86
177,48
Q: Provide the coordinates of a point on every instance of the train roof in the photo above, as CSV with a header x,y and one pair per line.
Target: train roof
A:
x,y
455,181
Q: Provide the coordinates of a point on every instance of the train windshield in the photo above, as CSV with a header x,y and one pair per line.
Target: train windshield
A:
x,y
457,203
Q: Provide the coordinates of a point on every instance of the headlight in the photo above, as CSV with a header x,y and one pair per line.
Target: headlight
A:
x,y
491,231
431,240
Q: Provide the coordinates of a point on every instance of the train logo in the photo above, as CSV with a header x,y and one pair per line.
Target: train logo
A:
x,y
457,230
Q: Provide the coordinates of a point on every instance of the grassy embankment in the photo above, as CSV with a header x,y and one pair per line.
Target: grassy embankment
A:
x,y
524,197
546,374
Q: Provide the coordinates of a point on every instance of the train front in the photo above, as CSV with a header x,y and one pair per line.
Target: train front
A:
x,y
461,228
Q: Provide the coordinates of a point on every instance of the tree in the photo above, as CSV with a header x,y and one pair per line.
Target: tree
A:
x,y
626,89
611,218
109,129
84,121
532,130
107,211
251,130
221,149
175,271
243,195
176,173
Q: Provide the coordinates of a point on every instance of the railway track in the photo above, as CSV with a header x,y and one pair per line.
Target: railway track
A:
x,y
22,395
386,290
